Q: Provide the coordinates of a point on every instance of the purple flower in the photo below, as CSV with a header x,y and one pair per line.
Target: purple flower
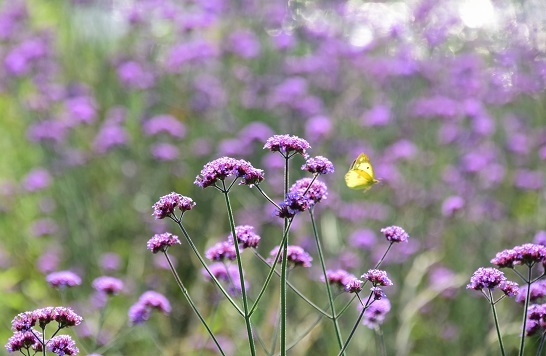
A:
x,y
538,291
25,340
338,277
540,238
451,205
535,319
220,251
156,301
47,130
110,261
108,285
44,227
164,123
166,205
489,278
294,204
315,193
296,256
164,151
318,165
246,237
81,109
66,317
63,279
228,274
224,167
62,345
318,128
363,239
376,312
139,313
245,44
108,137
509,288
161,242
353,285
377,277
527,254
287,145
395,234
132,75
37,179
378,293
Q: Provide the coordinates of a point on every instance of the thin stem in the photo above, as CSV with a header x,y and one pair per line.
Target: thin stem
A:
x,y
300,294
101,322
192,304
271,269
541,345
522,345
267,197
380,341
218,284
356,324
241,276
284,261
328,290
383,257
305,333
494,310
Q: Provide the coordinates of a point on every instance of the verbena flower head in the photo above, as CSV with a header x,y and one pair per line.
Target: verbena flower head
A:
x,y
147,302
338,277
486,277
296,256
538,291
246,237
62,345
377,277
25,340
108,285
317,192
353,285
378,293
395,234
509,288
225,167
318,165
376,312
286,145
167,204
223,250
63,279
161,242
294,203
66,317
536,314
527,254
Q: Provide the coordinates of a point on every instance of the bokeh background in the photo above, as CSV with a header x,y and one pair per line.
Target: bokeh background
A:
x,y
107,105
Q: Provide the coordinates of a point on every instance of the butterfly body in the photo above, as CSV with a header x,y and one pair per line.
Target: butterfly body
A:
x,y
360,175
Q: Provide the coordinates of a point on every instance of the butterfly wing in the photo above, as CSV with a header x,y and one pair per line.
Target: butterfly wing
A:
x,y
362,163
358,179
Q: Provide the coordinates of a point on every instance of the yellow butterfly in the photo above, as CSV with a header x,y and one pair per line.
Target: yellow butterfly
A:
x,y
360,175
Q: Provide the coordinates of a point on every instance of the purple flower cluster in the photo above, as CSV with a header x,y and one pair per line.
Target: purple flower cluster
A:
x,y
287,145
491,278
223,250
148,302
338,277
377,277
296,256
536,319
538,291
108,285
63,279
353,285
318,165
315,193
527,254
376,312
225,167
161,242
395,234
25,340
246,237
167,204
294,203
228,274
62,345
65,317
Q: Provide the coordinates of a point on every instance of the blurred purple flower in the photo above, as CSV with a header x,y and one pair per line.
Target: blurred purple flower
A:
x,y
220,251
108,285
47,130
164,123
164,151
132,75
296,256
318,128
63,279
110,261
81,109
37,179
246,237
378,115
540,238
376,312
44,227
529,179
451,205
244,44
108,137
363,239
339,277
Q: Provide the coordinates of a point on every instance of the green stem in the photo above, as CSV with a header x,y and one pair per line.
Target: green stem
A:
x,y
218,284
494,310
300,294
541,345
328,289
101,322
284,262
192,304
522,345
365,306
241,276
271,269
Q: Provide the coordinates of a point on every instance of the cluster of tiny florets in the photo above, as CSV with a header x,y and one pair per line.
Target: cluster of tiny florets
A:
x,y
286,145
377,277
353,285
108,285
224,167
527,254
246,237
148,301
167,204
161,242
63,279
338,277
395,234
314,192
318,165
294,203
296,256
223,250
